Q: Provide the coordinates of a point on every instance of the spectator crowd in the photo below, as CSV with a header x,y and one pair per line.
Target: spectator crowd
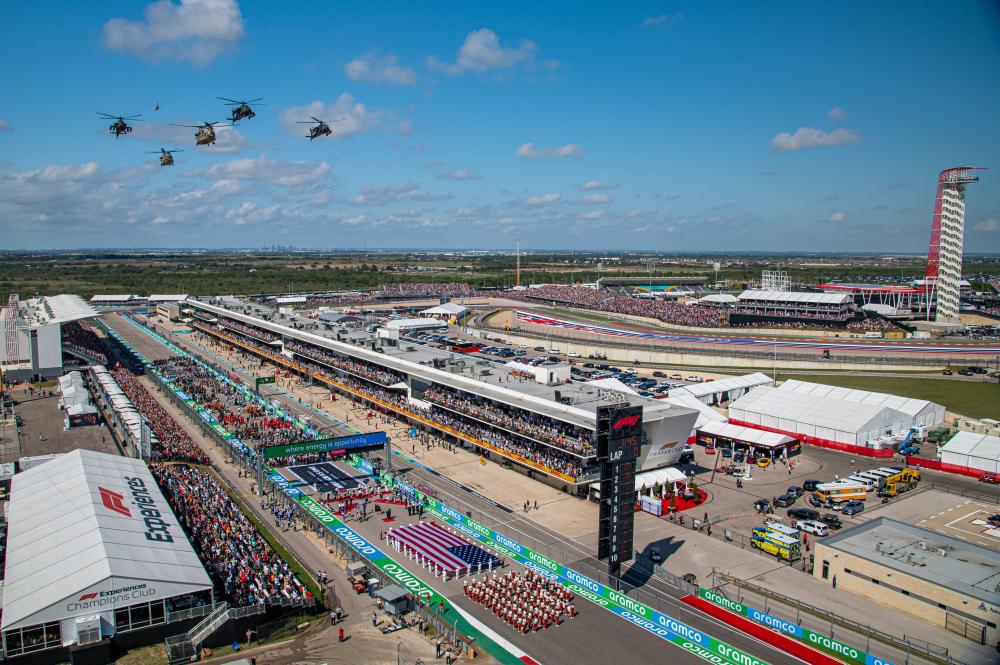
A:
x,y
171,441
81,338
238,558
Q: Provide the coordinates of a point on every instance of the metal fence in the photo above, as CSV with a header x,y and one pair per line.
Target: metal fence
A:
x,y
895,648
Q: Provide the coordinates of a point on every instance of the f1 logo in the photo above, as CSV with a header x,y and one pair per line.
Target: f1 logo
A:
x,y
88,596
114,501
626,421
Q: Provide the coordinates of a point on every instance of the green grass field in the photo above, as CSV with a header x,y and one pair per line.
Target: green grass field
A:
x,y
977,399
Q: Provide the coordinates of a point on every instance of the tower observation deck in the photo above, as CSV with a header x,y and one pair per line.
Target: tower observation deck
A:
x,y
944,260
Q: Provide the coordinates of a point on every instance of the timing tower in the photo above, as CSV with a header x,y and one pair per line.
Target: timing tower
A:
x,y
944,260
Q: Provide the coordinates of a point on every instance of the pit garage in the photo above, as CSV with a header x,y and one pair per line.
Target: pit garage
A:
x,y
93,550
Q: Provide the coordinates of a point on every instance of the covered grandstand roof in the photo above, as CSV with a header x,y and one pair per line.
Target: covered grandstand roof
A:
x,y
163,297
797,297
747,434
706,413
55,309
978,451
124,297
78,543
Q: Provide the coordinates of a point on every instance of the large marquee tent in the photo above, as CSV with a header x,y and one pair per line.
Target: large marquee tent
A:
x,y
822,413
90,535
975,451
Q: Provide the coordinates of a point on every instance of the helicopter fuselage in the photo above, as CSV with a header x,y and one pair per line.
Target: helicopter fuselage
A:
x,y
204,137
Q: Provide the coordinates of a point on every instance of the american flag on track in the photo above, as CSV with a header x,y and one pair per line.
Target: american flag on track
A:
x,y
444,549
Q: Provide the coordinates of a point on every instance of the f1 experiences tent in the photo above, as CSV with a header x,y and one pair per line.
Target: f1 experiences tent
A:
x,y
89,533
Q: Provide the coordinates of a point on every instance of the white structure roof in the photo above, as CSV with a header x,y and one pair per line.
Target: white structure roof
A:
x,y
163,297
748,434
114,298
412,324
719,298
979,451
611,383
816,410
725,385
290,300
75,529
797,297
658,477
706,413
907,405
446,309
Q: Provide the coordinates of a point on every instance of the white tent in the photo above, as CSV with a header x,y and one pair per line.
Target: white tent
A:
x,y
833,414
755,437
71,379
74,395
975,451
724,390
719,299
706,414
89,533
448,309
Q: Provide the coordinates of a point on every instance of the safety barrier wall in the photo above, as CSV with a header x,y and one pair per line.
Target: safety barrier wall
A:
x,y
880,453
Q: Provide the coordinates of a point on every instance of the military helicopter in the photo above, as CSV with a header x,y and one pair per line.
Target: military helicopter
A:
x,y
119,126
320,130
166,156
156,106
242,108
205,134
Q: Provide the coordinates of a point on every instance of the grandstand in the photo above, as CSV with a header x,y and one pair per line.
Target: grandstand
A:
x,y
506,413
34,331
761,307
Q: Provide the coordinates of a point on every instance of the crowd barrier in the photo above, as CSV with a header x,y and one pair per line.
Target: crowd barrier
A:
x,y
880,453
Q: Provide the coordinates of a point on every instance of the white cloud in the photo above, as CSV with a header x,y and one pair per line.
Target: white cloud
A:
x,y
386,194
662,20
595,199
345,117
529,151
543,199
433,163
837,217
262,169
5,126
481,52
193,30
991,224
810,137
460,174
836,113
593,214
377,68
596,184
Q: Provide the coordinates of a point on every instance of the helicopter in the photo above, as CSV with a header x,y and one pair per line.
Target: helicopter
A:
x,y
242,108
166,156
320,130
119,126
205,134
156,106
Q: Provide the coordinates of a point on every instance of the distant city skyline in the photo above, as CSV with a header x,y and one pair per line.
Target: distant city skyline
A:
x,y
667,126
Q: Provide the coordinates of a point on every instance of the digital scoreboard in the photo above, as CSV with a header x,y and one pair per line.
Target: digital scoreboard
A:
x,y
619,437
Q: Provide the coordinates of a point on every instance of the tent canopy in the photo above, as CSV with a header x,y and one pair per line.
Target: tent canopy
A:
x,y
746,434
446,309
78,544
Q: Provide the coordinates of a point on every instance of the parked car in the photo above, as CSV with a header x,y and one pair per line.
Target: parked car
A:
x,y
966,372
810,485
785,500
831,521
539,348
990,478
676,377
814,527
739,458
660,375
695,379
762,505
727,452
803,513
853,507
796,490
947,372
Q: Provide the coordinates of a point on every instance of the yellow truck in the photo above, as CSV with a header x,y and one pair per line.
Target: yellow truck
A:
x,y
901,480
776,544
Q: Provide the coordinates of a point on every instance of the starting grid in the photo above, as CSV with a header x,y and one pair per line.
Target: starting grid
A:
x,y
323,477
667,628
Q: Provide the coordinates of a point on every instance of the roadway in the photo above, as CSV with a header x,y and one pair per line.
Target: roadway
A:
x,y
586,634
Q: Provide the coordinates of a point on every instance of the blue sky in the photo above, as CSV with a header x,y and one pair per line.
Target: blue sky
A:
x,y
650,125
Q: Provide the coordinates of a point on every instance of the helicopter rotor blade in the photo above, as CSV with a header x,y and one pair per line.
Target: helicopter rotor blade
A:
x,y
254,101
231,101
